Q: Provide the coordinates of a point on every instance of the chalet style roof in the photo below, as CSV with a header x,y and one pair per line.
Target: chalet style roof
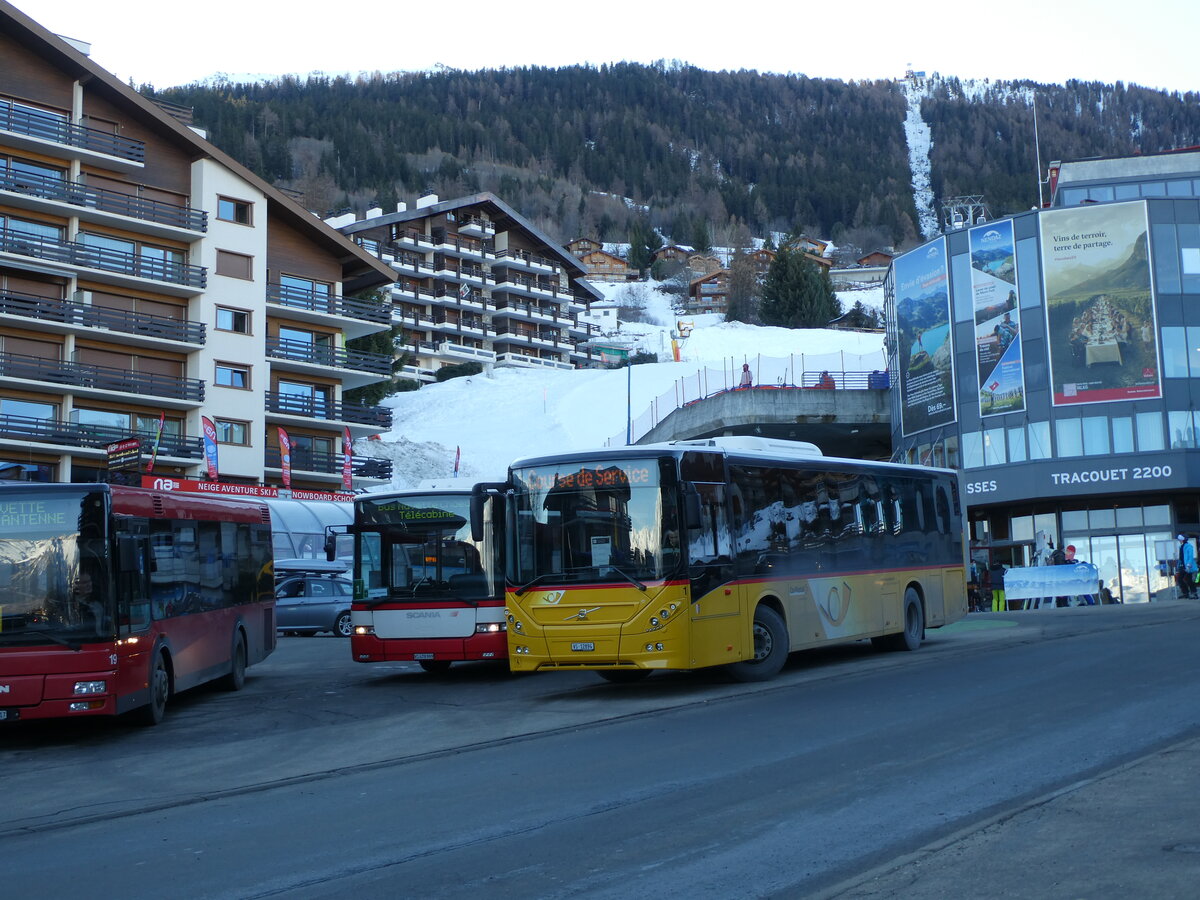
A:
x,y
504,217
359,268
611,256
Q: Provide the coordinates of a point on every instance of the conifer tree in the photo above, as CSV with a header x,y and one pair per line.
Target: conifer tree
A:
x,y
797,293
643,241
743,290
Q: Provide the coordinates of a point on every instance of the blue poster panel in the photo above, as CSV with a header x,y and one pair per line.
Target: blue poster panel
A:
x,y
1099,303
997,309
924,344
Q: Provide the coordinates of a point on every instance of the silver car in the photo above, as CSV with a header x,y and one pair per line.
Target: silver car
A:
x,y
310,603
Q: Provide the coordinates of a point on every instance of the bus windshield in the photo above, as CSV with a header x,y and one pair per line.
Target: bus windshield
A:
x,y
420,547
593,521
54,586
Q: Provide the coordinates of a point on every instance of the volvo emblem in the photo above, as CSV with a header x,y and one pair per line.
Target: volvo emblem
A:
x,y
582,614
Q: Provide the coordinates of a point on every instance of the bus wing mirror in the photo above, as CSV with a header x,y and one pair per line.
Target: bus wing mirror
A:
x,y
479,494
331,536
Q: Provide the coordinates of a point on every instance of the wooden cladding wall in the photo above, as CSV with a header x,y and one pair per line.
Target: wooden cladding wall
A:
x,y
291,253
26,76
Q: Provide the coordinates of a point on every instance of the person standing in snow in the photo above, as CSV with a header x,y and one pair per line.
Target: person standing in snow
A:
x,y
747,378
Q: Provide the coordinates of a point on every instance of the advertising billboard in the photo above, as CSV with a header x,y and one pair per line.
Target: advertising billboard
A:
x,y
925,348
1103,336
997,310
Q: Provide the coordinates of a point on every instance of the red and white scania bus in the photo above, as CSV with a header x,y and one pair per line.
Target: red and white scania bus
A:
x,y
426,588
113,598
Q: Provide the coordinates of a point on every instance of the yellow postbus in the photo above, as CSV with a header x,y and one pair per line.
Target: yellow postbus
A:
x,y
724,552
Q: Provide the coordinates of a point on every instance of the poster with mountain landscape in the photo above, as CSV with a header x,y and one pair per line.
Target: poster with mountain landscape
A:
x,y
997,318
1099,304
925,347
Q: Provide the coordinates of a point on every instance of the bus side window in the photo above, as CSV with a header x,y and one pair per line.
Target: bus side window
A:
x,y
943,510
711,542
133,600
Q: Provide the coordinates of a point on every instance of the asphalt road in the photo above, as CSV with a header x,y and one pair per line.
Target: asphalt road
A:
x,y
327,778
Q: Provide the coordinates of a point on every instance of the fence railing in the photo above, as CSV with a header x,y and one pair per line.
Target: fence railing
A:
x,y
800,371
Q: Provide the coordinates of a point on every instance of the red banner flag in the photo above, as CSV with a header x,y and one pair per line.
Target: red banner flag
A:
x,y
457,457
347,466
210,447
285,457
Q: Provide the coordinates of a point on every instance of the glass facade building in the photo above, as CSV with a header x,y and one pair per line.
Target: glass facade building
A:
x,y
1054,358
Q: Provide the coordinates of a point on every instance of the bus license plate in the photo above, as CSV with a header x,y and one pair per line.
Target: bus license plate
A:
x,y
584,645
422,656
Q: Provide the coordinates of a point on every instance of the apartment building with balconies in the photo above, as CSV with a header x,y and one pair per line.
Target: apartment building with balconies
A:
x,y
149,282
475,282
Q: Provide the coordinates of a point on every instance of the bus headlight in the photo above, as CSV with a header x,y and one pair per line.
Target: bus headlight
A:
x,y
654,623
489,627
364,629
89,687
517,626
651,648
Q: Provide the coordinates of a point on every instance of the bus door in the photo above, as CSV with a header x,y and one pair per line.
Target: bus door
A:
x,y
134,639
716,596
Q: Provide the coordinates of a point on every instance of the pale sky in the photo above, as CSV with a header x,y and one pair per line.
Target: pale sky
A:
x,y
1152,42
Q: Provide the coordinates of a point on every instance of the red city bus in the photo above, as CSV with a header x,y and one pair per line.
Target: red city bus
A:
x,y
425,587
113,598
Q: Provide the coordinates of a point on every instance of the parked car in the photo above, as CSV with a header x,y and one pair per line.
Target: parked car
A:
x,y
312,602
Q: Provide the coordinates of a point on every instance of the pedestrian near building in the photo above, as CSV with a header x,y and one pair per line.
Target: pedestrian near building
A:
x,y
999,601
1186,569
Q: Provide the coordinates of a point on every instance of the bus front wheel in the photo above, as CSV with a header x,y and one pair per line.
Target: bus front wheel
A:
x,y
770,648
160,690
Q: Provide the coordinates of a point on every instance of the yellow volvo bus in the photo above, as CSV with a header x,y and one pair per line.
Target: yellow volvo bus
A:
x,y
726,552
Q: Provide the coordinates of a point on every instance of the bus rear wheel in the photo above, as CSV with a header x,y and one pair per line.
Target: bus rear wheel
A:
x,y
770,648
914,626
236,679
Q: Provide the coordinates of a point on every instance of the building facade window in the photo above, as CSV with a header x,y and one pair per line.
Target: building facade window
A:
x,y
305,287
12,470
228,375
1149,431
29,177
1095,435
1069,435
237,211
232,432
1122,434
1181,427
24,229
28,409
235,265
235,320
1016,444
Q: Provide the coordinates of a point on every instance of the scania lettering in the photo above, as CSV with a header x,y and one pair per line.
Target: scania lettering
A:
x,y
730,552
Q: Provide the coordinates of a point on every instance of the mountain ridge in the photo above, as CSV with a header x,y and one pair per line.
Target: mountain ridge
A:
x,y
712,155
